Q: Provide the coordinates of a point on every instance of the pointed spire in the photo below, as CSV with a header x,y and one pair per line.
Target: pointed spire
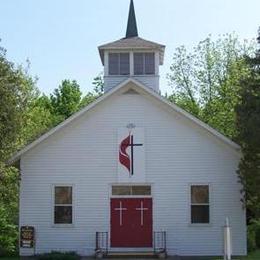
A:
x,y
131,25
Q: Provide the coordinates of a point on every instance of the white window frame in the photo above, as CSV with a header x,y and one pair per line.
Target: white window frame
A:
x,y
72,205
202,204
119,65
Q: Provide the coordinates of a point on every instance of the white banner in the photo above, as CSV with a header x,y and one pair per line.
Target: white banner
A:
x,y
131,156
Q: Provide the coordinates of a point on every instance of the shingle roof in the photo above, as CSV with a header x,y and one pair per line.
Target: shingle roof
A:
x,y
132,43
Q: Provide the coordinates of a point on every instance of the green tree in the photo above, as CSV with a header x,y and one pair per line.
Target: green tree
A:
x,y
9,184
17,91
205,81
98,84
39,118
66,99
8,234
248,124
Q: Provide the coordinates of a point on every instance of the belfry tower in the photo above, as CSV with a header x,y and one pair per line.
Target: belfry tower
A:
x,y
132,57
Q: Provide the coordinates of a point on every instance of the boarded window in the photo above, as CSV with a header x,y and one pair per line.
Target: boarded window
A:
x,y
144,64
131,190
119,64
63,205
200,204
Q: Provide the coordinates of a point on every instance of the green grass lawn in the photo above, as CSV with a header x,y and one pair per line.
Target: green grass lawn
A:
x,y
252,256
9,258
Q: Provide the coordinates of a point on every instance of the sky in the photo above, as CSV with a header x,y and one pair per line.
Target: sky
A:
x,y
60,37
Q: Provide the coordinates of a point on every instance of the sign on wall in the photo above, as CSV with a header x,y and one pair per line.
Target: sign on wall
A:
x,y
131,155
27,237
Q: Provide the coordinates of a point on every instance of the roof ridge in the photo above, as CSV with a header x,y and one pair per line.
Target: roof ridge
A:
x,y
142,87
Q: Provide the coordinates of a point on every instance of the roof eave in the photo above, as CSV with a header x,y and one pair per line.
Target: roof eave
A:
x,y
160,48
182,112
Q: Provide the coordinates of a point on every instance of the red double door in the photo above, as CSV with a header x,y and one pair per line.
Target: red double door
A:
x,y
131,222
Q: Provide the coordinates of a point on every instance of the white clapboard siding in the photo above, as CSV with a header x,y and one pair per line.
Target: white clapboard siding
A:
x,y
178,153
151,81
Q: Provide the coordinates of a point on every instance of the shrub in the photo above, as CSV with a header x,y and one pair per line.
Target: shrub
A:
x,y
59,256
8,234
253,235
255,224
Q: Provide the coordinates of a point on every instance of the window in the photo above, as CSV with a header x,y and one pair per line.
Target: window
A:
x,y
63,205
131,190
199,204
119,64
144,64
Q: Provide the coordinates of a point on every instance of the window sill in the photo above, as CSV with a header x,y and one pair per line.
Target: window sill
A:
x,y
145,75
122,76
63,226
200,225
129,76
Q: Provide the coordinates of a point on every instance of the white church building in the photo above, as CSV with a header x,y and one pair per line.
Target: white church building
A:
x,y
131,172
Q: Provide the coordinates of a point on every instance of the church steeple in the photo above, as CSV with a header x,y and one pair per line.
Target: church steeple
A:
x,y
131,30
131,57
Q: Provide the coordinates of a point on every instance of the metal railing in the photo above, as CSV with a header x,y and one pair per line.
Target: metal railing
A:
x,y
159,242
102,242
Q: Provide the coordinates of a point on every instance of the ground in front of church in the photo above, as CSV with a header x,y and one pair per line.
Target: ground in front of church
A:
x,y
252,256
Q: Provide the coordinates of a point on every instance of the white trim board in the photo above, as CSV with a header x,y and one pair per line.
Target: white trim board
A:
x,y
122,87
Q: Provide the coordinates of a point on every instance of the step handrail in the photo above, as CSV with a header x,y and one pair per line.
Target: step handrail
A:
x,y
102,242
159,242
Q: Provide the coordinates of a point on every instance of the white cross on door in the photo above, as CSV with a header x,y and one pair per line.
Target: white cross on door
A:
x,y
120,209
142,209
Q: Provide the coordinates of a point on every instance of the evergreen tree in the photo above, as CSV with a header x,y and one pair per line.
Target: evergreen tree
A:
x,y
248,124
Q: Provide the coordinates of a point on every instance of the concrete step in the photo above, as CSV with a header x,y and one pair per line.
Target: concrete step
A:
x,y
131,255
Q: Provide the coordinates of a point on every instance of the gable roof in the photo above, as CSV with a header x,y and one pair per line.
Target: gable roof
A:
x,y
123,87
132,43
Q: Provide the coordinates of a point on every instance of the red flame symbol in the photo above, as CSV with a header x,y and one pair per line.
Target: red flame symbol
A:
x,y
124,158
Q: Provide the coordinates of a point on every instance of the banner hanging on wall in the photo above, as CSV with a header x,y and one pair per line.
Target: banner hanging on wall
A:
x,y
131,155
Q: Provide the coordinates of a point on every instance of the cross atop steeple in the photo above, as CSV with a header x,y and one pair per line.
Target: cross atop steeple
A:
x,y
131,25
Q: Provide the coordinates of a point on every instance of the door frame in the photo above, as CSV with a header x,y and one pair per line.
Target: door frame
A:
x,y
128,197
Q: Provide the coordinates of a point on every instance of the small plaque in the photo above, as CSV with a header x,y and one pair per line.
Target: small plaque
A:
x,y
27,237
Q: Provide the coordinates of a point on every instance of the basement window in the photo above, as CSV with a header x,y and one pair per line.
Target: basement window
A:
x,y
200,204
